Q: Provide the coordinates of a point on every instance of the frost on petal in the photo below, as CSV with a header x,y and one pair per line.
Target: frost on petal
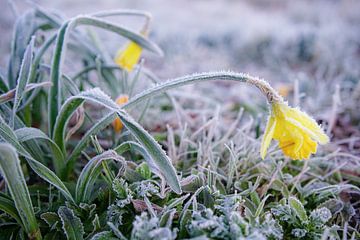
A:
x,y
317,133
268,135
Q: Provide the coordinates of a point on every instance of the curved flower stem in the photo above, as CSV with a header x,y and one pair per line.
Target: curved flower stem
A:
x,y
261,84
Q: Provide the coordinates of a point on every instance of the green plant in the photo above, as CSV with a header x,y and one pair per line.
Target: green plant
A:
x,y
69,175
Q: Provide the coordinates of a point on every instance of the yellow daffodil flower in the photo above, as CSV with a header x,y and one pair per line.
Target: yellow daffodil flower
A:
x,y
296,132
117,124
128,57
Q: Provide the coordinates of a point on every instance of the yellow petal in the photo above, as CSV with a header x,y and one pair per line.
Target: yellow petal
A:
x,y
129,56
268,135
309,123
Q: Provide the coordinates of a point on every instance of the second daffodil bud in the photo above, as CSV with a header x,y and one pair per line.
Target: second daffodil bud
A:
x,y
117,124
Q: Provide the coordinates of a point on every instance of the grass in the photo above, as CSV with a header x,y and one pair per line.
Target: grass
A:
x,y
184,166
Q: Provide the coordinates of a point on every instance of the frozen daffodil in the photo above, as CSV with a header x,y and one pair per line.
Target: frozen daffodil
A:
x,y
117,124
296,132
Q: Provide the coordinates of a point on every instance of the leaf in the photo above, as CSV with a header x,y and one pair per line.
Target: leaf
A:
x,y
298,208
25,27
260,208
133,146
55,100
159,157
7,205
45,173
97,127
144,170
106,235
167,218
52,219
3,85
23,78
334,205
12,172
26,134
72,225
89,174
7,96
31,146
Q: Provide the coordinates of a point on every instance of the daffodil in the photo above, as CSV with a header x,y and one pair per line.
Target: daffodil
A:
x,y
296,132
117,124
128,57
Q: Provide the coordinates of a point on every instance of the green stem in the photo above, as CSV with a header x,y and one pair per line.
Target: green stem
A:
x,y
261,84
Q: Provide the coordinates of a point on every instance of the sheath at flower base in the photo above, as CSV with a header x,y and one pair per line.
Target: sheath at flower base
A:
x,y
296,132
117,124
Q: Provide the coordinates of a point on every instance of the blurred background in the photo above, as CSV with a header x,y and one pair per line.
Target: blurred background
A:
x,y
309,50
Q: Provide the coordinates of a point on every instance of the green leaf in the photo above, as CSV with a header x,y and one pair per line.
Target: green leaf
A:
x,y
52,219
167,218
25,27
26,134
7,205
11,170
23,78
144,170
159,157
45,173
89,174
72,225
260,208
106,235
298,208
3,84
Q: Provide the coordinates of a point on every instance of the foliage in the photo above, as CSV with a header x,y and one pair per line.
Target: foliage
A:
x,y
194,173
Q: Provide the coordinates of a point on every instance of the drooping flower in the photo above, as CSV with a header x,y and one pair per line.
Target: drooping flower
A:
x,y
296,132
117,124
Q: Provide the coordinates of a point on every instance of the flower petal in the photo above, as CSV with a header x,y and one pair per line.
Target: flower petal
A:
x,y
309,125
129,56
268,135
